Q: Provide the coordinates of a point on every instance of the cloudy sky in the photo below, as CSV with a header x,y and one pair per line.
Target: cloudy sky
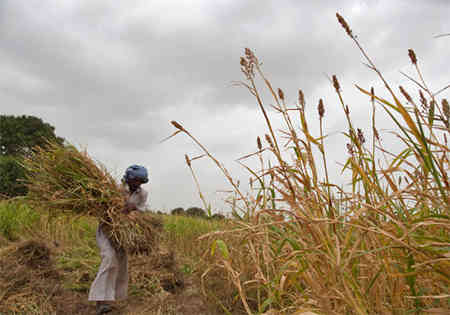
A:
x,y
111,75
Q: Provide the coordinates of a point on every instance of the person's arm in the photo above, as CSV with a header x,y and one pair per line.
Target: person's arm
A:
x,y
141,205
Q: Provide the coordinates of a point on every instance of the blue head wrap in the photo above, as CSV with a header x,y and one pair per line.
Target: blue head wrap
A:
x,y
136,172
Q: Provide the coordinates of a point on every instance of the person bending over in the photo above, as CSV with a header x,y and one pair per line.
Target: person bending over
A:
x,y
111,282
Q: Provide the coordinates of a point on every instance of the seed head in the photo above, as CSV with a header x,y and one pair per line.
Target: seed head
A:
x,y
361,138
405,94
321,109
344,25
176,125
258,143
248,64
412,56
372,96
423,100
281,94
431,112
347,110
446,108
336,85
269,140
301,99
446,112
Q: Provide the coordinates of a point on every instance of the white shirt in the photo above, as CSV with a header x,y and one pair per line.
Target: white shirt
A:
x,y
137,198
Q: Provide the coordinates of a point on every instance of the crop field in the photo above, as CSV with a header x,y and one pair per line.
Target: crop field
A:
x,y
295,242
48,265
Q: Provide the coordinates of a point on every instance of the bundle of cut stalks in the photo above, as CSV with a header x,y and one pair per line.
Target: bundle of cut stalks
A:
x,y
62,179
140,232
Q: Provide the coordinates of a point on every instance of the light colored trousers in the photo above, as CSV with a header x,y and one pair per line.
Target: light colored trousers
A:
x,y
111,282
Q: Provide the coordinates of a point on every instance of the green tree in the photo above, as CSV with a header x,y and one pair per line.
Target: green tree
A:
x,y
18,136
177,211
196,212
11,174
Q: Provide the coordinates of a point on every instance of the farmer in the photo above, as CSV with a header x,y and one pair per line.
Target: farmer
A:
x,y
111,282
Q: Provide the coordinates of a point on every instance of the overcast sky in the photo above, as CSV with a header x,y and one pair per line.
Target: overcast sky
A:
x,y
111,75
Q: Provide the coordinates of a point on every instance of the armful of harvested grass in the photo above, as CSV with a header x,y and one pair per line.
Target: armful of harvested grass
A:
x,y
61,179
137,234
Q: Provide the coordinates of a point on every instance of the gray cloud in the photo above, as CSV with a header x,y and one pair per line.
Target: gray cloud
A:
x,y
110,76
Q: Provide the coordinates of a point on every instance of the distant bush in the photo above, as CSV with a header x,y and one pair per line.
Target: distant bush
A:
x,y
196,212
12,172
177,211
218,216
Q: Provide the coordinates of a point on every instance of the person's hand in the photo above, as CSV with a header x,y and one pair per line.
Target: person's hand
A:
x,y
126,210
129,208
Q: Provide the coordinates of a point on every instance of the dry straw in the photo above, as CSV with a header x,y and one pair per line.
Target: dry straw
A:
x,y
379,246
61,179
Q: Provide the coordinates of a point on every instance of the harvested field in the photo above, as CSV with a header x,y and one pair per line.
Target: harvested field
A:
x,y
32,283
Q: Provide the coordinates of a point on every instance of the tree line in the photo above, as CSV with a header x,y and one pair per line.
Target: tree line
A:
x,y
195,212
18,136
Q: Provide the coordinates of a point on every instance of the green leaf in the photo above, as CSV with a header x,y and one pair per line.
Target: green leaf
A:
x,y
222,248
293,243
372,282
265,304
431,114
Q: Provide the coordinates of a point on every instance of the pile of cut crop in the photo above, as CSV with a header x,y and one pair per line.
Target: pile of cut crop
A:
x,y
23,268
159,270
61,179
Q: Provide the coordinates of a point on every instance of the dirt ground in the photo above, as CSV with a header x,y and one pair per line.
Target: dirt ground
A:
x,y
186,301
30,283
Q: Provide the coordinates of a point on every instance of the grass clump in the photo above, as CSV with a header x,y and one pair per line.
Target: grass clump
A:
x,y
15,218
25,272
182,234
63,179
307,244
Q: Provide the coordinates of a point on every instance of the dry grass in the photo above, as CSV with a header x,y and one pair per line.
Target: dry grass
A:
x,y
50,267
38,279
61,180
306,244
23,268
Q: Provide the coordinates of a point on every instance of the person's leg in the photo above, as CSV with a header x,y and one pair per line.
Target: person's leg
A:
x,y
104,286
122,276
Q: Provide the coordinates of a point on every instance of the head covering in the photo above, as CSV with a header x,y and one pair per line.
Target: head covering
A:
x,y
136,172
